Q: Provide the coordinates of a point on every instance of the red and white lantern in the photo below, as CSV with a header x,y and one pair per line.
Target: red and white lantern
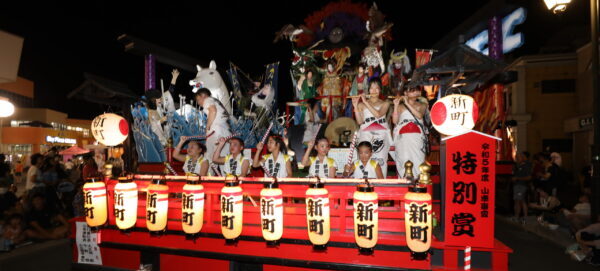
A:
x,y
110,129
454,114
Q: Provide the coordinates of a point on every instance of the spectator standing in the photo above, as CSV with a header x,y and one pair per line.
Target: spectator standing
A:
x,y
521,177
34,174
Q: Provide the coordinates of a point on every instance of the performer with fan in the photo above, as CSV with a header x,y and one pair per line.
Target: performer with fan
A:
x,y
410,133
277,162
194,162
371,115
321,165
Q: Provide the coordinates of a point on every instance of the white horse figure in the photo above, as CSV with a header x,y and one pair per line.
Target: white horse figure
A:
x,y
211,79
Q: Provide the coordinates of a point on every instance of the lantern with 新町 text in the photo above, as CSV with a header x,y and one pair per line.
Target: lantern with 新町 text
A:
x,y
94,202
417,221
232,210
454,114
271,212
126,203
110,129
157,206
317,215
365,218
192,207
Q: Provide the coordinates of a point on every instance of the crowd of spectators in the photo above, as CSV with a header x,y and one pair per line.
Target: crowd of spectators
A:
x,y
37,201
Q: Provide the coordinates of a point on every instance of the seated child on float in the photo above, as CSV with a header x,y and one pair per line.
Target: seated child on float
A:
x,y
235,163
364,167
321,165
276,163
194,162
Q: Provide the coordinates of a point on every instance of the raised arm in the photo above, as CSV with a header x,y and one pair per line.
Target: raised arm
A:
x,y
306,158
358,115
396,114
174,76
377,113
418,111
177,151
257,160
217,158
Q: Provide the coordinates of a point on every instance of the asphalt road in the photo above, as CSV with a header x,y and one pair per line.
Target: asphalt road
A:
x,y
534,253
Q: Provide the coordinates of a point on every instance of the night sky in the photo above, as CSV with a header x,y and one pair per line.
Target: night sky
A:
x,y
62,41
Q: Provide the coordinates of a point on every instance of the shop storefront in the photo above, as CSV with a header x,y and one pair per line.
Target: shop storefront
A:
x,y
24,141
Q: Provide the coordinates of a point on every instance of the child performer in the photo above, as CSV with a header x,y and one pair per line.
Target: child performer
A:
x,y
194,162
277,162
410,135
320,165
234,163
364,167
371,115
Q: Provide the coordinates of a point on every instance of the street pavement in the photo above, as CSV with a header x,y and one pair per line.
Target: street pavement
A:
x,y
531,252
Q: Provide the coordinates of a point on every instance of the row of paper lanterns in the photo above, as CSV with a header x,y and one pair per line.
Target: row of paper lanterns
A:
x,y
418,209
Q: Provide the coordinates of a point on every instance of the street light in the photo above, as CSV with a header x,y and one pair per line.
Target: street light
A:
x,y
6,110
557,6
561,5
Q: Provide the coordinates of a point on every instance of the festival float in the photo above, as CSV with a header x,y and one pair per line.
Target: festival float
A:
x,y
433,217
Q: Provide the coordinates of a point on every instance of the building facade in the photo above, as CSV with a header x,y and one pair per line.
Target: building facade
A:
x,y
542,99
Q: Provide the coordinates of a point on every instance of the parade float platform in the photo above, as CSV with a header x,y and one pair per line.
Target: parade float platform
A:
x,y
172,251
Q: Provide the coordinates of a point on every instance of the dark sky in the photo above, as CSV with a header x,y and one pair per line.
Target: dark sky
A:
x,y
64,40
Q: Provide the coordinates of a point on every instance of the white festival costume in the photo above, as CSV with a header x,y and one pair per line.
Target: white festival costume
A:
x,y
361,171
310,132
276,167
191,167
377,132
320,168
233,166
219,126
409,141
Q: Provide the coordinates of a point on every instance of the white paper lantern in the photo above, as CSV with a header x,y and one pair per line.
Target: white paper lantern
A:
x,y
454,114
110,129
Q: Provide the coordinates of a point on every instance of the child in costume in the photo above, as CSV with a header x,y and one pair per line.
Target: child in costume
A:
x,y
364,167
234,163
277,162
371,115
320,165
194,162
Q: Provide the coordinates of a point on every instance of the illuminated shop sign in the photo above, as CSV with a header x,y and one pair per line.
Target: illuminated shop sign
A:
x,y
510,40
56,139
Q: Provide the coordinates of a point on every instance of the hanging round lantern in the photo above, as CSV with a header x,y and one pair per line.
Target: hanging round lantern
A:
x,y
417,220
157,206
94,204
454,114
192,207
271,213
232,210
110,129
126,203
365,218
317,215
